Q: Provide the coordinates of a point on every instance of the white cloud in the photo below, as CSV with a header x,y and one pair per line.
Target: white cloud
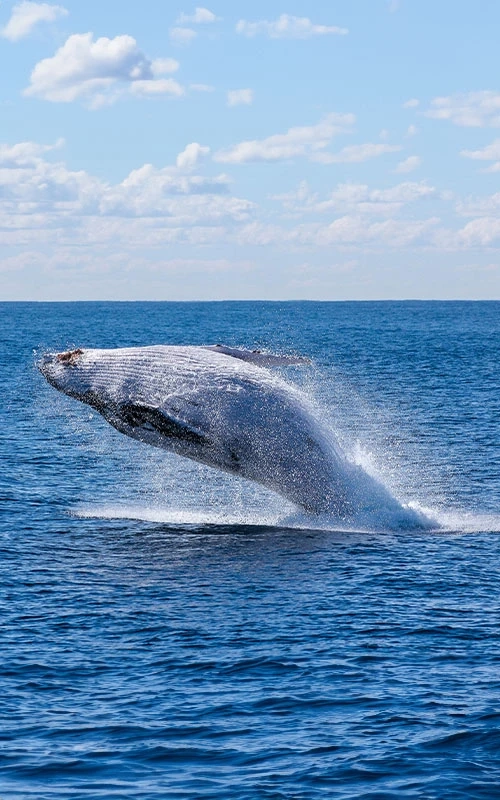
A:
x,y
489,153
238,97
412,130
409,164
356,153
479,207
200,16
25,154
182,35
158,86
29,184
46,205
163,66
349,231
389,233
98,71
26,15
356,199
471,109
403,193
480,232
287,27
190,156
40,197
169,194
413,103
307,141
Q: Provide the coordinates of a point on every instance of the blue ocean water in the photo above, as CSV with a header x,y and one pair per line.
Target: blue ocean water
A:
x,y
169,631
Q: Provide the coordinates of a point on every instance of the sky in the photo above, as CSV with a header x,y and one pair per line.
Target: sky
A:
x,y
328,150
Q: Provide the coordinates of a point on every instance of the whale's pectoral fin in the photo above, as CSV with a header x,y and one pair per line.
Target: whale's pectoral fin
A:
x,y
258,357
138,415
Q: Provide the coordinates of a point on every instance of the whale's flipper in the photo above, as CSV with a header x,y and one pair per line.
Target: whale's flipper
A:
x,y
139,415
258,357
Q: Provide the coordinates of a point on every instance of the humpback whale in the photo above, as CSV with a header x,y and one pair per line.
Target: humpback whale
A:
x,y
223,407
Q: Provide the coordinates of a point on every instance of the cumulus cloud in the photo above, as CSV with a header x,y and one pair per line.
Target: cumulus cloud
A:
x,y
190,156
356,153
26,15
149,191
240,97
484,231
25,154
44,203
287,27
307,142
182,35
413,103
41,195
409,164
33,184
98,71
470,109
200,16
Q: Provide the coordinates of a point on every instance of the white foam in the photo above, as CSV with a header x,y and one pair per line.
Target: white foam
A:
x,y
173,516
467,521
459,522
298,519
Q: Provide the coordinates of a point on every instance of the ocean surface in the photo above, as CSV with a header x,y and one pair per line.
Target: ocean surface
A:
x,y
168,631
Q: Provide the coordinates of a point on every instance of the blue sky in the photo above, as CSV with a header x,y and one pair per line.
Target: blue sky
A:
x,y
327,150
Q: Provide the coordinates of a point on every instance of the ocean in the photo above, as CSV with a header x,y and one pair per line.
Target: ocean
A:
x,y
169,631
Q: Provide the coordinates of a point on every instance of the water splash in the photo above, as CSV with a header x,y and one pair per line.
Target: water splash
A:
x,y
443,521
269,518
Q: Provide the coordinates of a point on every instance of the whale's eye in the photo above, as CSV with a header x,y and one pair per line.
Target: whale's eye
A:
x,y
70,356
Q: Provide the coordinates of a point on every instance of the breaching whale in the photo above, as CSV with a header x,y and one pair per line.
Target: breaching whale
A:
x,y
222,407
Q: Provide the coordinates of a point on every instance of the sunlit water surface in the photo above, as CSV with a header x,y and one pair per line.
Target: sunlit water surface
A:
x,y
169,631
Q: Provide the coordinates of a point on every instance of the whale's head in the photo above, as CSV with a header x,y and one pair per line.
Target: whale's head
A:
x,y
74,373
132,389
